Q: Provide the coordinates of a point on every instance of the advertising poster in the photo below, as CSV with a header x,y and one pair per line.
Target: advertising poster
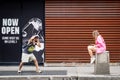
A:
x,y
19,21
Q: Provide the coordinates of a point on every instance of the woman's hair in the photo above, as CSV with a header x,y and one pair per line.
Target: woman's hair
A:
x,y
95,33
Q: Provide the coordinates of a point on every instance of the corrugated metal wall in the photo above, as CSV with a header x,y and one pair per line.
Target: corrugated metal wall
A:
x,y
69,24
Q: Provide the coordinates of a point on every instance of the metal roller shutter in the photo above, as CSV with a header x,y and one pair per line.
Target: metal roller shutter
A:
x,y
69,24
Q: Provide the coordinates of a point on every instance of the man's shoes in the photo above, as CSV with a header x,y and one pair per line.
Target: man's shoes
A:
x,y
92,60
39,71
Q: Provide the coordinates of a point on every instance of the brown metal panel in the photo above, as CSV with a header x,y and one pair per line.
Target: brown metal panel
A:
x,y
69,24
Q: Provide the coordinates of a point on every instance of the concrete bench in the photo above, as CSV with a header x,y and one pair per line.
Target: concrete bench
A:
x,y
102,63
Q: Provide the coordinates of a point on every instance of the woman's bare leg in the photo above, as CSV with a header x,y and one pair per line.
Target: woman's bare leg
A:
x,y
91,50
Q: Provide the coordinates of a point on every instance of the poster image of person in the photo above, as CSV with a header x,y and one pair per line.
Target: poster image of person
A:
x,y
35,26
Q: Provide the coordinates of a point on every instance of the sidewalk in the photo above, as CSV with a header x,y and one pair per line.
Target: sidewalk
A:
x,y
76,71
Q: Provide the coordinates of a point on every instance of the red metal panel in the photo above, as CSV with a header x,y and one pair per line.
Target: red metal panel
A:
x,y
69,24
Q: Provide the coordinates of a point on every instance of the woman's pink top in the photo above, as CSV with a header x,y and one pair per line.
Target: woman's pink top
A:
x,y
100,43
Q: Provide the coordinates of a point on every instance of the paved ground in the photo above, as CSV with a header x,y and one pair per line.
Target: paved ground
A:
x,y
78,70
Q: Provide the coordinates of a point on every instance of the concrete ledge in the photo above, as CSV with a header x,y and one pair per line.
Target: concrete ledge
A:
x,y
73,64
24,78
99,78
102,63
84,77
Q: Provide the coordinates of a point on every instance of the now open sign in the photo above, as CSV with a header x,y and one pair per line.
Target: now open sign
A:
x,y
19,20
